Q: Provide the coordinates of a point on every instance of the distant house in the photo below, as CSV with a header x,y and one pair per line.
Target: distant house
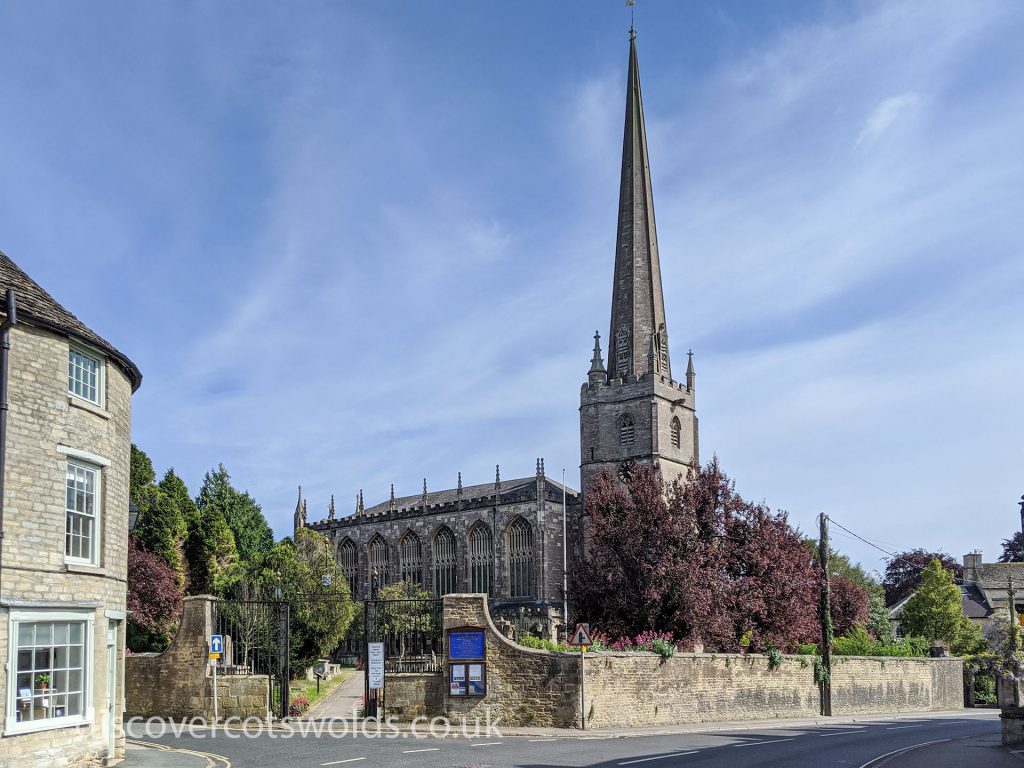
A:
x,y
983,594
64,518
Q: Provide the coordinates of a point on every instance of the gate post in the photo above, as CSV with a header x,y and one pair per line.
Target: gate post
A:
x,y
284,651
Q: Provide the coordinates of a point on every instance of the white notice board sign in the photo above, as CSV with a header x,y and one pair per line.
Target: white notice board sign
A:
x,y
375,665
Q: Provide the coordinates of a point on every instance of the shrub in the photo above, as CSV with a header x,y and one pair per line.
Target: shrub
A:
x,y
663,647
857,642
532,641
298,704
774,658
807,649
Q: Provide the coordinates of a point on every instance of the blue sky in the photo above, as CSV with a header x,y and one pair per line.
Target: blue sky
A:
x,y
351,244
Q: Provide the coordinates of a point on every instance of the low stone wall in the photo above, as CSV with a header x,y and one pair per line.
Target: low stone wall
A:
x,y
410,695
630,689
533,687
178,682
862,685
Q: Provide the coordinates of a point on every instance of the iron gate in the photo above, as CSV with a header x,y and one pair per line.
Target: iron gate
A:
x,y
412,633
256,642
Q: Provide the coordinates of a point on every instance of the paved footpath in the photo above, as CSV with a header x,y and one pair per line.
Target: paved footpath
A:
x,y
344,702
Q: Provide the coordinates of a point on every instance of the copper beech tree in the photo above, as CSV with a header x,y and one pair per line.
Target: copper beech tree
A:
x,y
694,559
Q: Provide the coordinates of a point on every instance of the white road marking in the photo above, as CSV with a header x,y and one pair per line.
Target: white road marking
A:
x,y
758,743
488,744
428,749
901,727
836,733
880,758
348,760
659,757
536,740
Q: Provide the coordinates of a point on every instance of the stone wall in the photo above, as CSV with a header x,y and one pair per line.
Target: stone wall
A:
x,y
533,687
178,683
525,686
412,695
629,689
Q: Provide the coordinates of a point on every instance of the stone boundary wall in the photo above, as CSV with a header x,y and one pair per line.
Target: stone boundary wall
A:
x,y
525,686
178,683
410,694
528,687
633,689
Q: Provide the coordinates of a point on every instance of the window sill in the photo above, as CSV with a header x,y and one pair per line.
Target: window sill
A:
x,y
87,569
15,728
85,405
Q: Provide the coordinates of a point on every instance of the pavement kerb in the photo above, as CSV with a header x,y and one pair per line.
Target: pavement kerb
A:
x,y
662,730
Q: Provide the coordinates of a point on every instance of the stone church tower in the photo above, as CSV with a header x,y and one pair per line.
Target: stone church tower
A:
x,y
633,411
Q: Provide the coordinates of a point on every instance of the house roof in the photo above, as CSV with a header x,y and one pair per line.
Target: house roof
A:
x,y
974,604
38,308
994,576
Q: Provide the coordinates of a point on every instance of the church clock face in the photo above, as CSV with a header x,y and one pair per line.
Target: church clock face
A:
x,y
626,471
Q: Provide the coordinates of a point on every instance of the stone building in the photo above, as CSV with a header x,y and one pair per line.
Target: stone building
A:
x,y
506,539
64,520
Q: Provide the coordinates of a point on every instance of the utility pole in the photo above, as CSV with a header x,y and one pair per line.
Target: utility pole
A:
x,y
826,617
565,563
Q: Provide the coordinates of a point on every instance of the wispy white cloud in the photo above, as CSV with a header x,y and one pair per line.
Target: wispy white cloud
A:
x,y
885,115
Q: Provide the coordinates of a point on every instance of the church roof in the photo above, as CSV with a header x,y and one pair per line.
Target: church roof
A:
x,y
451,495
638,304
38,308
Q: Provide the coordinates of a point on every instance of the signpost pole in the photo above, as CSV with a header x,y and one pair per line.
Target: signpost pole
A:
x,y
583,691
214,662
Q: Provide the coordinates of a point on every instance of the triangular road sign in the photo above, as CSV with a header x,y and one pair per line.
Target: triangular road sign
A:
x,y
581,636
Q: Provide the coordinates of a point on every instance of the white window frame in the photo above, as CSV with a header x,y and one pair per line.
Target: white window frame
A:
x,y
101,375
11,724
94,550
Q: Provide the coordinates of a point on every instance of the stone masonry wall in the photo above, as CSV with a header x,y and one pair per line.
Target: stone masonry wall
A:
x,y
525,686
412,695
178,683
533,687
44,423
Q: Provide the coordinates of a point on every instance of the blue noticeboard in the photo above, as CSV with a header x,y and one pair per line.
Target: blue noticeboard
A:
x,y
466,644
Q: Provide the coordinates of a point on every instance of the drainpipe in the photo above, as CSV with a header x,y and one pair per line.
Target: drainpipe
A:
x,y
11,310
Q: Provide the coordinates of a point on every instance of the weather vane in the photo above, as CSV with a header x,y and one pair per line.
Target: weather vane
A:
x,y
630,4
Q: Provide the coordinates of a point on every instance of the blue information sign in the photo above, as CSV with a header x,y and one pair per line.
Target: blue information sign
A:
x,y
466,644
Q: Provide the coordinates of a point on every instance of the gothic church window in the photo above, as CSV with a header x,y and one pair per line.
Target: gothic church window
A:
x,y
627,430
348,558
379,561
444,562
481,558
411,559
520,559
676,428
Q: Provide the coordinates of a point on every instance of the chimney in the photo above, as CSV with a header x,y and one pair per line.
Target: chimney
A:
x,y
972,562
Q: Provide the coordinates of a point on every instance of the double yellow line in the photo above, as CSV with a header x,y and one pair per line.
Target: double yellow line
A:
x,y
212,760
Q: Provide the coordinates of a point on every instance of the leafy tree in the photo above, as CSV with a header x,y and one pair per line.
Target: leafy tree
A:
x,y
154,600
849,603
1013,549
141,475
698,561
161,530
252,535
209,552
322,608
399,619
904,571
935,610
879,624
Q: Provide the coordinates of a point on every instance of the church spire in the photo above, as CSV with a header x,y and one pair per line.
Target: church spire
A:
x,y
638,306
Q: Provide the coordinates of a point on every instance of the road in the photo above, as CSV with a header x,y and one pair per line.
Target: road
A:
x,y
971,739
